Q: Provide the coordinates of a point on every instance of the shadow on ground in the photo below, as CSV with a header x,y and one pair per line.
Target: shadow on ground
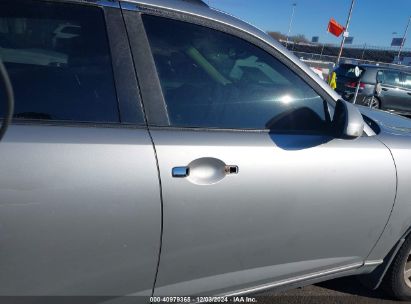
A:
x,y
342,291
351,286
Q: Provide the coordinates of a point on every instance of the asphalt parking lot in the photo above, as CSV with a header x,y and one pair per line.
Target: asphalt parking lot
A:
x,y
341,291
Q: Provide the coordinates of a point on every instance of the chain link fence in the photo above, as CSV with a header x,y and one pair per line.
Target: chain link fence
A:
x,y
354,53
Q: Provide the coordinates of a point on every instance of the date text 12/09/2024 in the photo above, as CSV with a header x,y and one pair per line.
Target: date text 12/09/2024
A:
x,y
203,300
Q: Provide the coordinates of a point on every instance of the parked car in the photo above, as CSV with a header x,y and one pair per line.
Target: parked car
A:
x,y
395,93
180,151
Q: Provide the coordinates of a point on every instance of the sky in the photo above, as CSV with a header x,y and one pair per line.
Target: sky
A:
x,y
373,21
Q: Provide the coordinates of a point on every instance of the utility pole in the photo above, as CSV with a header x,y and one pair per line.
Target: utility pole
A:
x,y
363,51
346,31
291,23
403,40
322,51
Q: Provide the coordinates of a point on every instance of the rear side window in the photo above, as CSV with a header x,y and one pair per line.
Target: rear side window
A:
x,y
58,59
211,79
392,78
407,81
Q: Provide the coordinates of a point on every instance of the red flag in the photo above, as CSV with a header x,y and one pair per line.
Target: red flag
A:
x,y
335,28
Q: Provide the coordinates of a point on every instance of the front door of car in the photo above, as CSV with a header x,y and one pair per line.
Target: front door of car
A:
x,y
255,189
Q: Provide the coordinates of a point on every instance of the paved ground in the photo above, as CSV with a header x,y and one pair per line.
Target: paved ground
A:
x,y
341,291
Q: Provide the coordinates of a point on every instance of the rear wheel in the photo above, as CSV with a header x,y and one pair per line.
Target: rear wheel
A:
x,y
373,102
397,281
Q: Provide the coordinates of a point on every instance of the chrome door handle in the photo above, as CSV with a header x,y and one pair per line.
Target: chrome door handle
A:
x,y
180,172
204,171
185,171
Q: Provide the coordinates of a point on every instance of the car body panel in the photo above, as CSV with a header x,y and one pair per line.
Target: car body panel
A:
x,y
390,123
396,135
400,220
80,212
253,227
395,99
189,263
86,217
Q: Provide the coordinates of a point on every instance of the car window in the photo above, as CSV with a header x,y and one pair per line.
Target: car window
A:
x,y
380,76
215,80
407,81
391,78
59,62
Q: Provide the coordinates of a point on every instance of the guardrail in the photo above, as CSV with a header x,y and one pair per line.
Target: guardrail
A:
x,y
349,46
365,54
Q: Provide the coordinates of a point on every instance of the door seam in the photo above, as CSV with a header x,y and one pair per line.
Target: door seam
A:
x,y
155,154
394,201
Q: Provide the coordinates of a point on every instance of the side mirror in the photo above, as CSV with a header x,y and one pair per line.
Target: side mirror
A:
x,y
347,122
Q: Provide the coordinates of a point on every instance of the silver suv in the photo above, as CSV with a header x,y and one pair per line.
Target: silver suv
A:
x,y
164,148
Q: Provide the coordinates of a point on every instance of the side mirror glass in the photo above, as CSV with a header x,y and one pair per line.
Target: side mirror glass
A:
x,y
347,122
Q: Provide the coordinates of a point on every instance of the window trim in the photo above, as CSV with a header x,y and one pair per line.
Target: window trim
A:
x,y
77,124
153,99
329,132
129,106
154,105
124,73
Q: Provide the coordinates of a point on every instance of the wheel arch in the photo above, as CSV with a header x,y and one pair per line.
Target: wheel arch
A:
x,y
374,279
381,101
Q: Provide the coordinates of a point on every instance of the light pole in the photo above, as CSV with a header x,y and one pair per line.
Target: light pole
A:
x,y
345,31
291,23
403,40
363,51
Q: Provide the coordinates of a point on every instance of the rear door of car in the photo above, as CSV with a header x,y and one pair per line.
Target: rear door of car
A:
x,y
80,210
256,191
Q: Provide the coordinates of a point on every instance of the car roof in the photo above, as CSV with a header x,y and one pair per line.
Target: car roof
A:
x,y
374,66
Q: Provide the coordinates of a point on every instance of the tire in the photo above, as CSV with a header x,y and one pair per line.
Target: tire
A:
x,y
375,102
397,281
